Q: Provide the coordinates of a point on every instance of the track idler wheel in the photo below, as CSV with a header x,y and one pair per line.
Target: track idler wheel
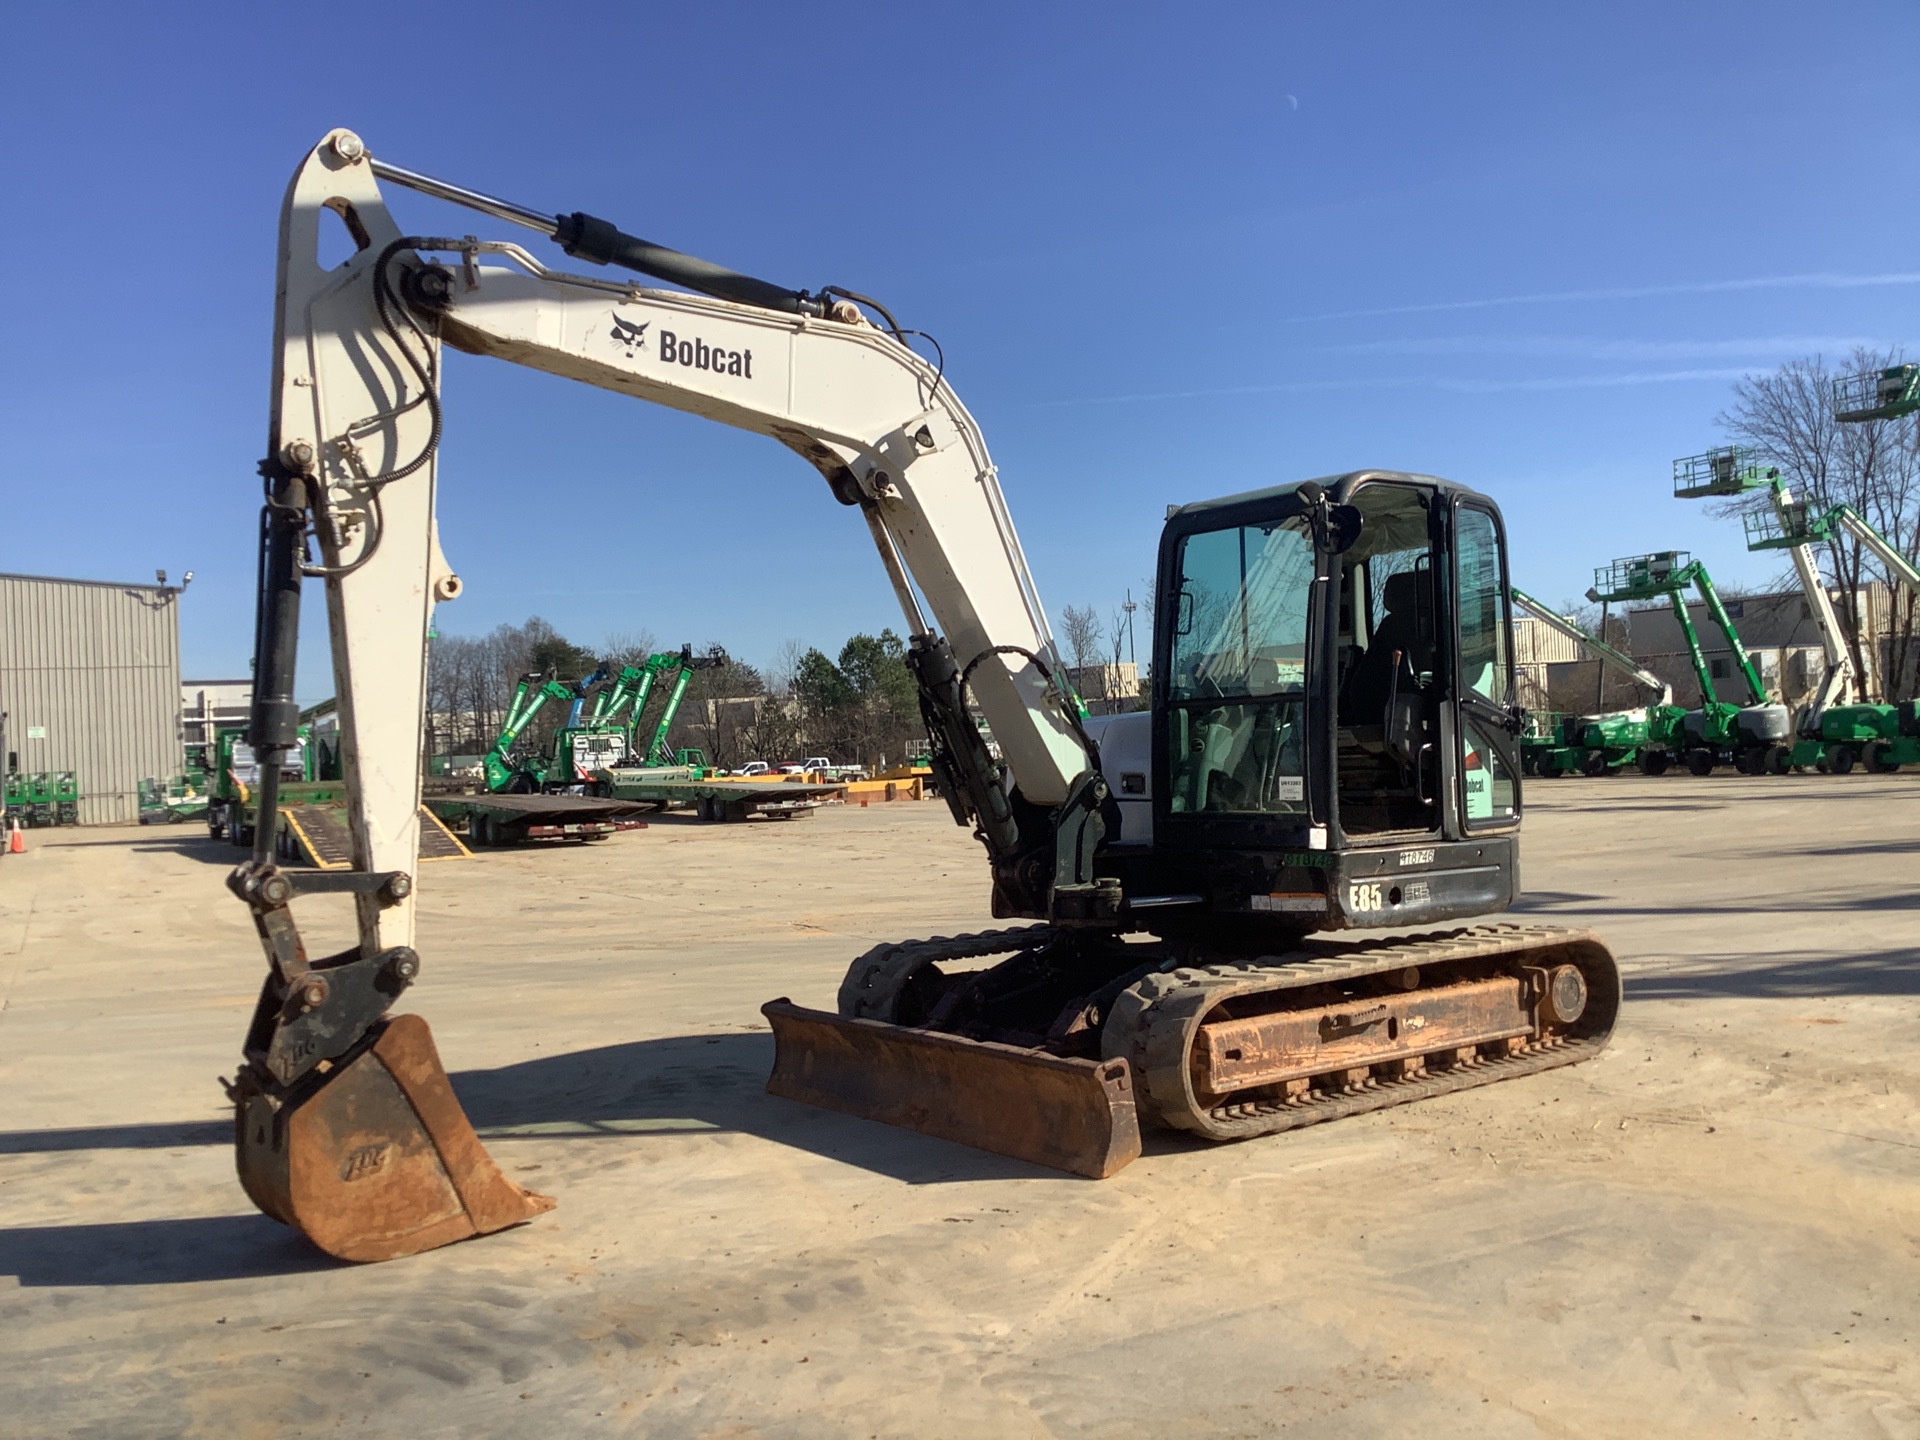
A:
x,y
377,1160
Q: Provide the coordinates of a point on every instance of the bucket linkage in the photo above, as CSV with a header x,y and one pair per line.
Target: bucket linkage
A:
x,y
345,1124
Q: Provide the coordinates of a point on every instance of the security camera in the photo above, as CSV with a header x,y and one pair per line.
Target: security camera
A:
x,y
186,579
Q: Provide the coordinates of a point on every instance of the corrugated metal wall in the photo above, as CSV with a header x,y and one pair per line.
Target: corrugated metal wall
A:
x,y
90,682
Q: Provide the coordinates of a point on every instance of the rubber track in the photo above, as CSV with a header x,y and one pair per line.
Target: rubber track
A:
x,y
1154,1024
874,981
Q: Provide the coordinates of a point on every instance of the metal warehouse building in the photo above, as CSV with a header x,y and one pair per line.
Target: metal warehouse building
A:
x,y
90,682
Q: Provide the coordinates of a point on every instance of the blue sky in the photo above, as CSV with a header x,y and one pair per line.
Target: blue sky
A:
x,y
1170,252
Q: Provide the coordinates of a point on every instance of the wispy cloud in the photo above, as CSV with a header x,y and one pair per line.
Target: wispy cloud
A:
x,y
1388,384
1590,382
1280,387
1819,280
1592,348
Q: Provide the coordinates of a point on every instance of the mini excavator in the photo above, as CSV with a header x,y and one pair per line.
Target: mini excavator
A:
x,y
1331,746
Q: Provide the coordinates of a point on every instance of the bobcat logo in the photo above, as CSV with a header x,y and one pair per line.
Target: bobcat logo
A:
x,y
633,336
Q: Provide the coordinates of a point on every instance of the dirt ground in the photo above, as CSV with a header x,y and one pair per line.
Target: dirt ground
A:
x,y
1713,1229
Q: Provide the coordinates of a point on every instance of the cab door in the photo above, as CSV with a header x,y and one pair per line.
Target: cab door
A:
x,y
1487,735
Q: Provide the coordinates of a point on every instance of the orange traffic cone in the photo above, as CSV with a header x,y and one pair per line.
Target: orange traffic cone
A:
x,y
16,842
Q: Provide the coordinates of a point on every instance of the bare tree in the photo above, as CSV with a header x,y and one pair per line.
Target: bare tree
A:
x,y
1873,466
627,647
1086,644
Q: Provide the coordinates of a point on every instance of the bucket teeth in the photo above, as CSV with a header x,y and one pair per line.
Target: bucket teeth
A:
x,y
379,1160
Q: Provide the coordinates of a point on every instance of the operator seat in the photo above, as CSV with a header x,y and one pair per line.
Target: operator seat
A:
x,y
1370,683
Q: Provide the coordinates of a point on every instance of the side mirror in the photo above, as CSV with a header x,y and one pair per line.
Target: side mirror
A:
x,y
1344,524
1335,527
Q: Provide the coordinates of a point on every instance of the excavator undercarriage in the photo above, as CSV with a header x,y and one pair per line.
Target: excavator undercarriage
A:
x,y
1104,1033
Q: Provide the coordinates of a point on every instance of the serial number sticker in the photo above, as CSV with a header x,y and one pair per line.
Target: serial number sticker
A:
x,y
1289,787
1415,857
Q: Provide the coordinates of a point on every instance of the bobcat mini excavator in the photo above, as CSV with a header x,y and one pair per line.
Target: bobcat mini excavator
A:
x,y
1331,746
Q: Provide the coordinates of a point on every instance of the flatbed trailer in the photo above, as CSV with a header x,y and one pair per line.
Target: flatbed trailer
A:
x,y
315,833
513,819
719,798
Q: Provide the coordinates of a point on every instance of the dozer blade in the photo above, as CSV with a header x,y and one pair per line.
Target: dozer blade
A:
x,y
379,1160
1074,1115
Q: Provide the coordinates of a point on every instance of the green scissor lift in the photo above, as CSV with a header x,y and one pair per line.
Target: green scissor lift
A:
x,y
40,798
1750,737
1837,729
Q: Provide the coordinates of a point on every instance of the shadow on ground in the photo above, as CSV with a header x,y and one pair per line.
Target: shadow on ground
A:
x,y
194,844
1611,806
1864,847
1894,971
665,1090
157,1252
668,1087
1733,903
715,1082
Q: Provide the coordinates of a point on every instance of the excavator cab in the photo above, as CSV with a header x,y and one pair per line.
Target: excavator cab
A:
x,y
1334,735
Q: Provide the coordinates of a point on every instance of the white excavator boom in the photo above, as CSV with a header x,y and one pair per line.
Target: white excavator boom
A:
x,y
347,1126
355,400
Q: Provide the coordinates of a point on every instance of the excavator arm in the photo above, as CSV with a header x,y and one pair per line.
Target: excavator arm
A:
x,y
346,1124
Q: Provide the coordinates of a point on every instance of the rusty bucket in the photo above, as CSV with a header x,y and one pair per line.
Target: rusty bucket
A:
x,y
377,1160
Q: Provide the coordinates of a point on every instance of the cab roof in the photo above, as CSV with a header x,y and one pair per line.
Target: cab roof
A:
x,y
1331,483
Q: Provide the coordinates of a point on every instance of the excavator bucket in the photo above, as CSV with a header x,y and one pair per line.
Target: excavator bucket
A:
x,y
1073,1115
379,1160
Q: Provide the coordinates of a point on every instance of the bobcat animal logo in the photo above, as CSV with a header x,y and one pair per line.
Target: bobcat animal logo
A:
x,y
633,336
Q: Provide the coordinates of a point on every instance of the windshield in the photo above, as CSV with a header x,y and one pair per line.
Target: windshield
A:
x,y
1238,669
1242,627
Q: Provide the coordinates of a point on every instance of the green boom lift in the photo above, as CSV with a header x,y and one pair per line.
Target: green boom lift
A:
x,y
1745,736
1838,728
1890,394
1596,744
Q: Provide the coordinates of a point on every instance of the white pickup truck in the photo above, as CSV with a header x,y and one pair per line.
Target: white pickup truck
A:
x,y
823,767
